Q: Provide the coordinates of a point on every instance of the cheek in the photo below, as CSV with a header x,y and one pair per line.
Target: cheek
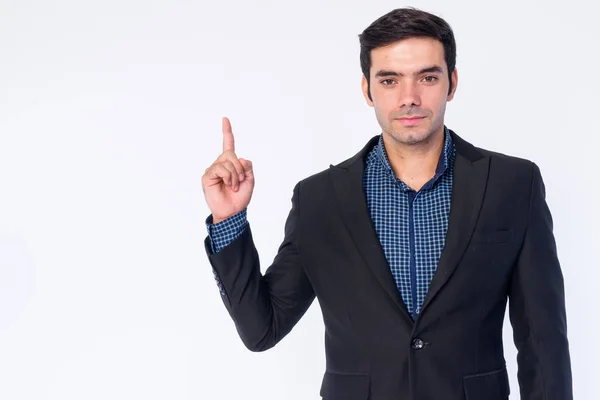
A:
x,y
383,103
442,102
436,101
388,100
380,113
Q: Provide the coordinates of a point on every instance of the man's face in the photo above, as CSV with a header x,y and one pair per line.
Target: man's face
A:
x,y
409,79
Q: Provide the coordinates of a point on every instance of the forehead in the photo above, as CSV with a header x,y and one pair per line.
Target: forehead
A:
x,y
408,55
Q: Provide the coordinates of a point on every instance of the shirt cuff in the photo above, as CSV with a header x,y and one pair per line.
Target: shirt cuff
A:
x,y
226,231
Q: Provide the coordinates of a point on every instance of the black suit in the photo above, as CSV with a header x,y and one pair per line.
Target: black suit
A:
x,y
499,245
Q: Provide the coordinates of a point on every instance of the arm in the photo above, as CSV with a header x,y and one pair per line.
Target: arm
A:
x,y
263,308
537,307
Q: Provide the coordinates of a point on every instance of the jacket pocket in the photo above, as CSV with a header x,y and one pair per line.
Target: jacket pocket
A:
x,y
345,386
487,386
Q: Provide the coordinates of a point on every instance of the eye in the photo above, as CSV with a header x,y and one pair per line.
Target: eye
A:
x,y
387,82
430,79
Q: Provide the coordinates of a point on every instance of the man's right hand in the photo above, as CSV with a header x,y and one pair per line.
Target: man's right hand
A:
x,y
229,182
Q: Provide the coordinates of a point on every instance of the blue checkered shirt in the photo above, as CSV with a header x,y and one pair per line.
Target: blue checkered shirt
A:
x,y
226,231
411,226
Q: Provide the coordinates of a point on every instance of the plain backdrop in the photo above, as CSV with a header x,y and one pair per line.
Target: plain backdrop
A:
x,y
110,112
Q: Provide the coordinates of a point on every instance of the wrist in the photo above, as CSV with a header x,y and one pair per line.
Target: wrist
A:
x,y
216,220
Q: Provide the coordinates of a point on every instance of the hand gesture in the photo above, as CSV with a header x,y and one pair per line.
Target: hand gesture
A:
x,y
229,182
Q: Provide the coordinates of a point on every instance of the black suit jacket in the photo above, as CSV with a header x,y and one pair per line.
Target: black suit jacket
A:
x,y
499,246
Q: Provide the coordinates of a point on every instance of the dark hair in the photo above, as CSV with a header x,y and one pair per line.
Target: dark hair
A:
x,y
404,23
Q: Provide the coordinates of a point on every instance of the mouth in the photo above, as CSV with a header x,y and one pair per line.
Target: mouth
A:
x,y
410,121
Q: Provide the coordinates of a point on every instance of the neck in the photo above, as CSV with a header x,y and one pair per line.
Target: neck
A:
x,y
415,164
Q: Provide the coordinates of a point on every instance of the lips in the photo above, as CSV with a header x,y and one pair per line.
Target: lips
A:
x,y
409,121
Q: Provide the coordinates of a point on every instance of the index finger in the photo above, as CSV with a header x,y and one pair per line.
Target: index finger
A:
x,y
228,142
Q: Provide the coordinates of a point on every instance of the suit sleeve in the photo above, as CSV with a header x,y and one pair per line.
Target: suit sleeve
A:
x,y
263,308
537,307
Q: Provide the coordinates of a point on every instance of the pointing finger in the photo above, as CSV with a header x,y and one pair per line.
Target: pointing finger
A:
x,y
228,142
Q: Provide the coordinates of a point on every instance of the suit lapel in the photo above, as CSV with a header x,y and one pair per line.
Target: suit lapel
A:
x,y
469,183
468,188
346,179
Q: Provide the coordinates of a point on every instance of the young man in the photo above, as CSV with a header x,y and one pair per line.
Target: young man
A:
x,y
413,246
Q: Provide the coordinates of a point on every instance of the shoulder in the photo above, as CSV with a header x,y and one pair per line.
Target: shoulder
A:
x,y
354,165
510,162
499,163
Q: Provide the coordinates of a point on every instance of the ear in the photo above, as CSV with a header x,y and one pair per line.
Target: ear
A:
x,y
365,89
454,84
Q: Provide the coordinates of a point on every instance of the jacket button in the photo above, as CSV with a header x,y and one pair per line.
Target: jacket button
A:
x,y
418,344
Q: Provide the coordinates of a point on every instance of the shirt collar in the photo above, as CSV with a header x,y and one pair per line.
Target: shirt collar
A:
x,y
442,166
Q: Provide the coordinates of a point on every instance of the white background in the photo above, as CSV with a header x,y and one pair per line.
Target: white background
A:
x,y
110,111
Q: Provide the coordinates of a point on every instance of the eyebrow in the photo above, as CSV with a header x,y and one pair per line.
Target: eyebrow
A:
x,y
385,73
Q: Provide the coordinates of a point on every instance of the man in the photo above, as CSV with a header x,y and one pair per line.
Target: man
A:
x,y
413,246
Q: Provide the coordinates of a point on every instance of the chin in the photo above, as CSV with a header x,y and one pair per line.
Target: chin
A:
x,y
412,137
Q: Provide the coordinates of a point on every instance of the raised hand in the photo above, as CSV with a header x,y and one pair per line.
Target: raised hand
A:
x,y
229,182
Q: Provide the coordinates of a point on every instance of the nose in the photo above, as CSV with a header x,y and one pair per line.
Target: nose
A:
x,y
409,95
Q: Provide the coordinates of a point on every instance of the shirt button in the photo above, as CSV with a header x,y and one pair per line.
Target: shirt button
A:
x,y
418,344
